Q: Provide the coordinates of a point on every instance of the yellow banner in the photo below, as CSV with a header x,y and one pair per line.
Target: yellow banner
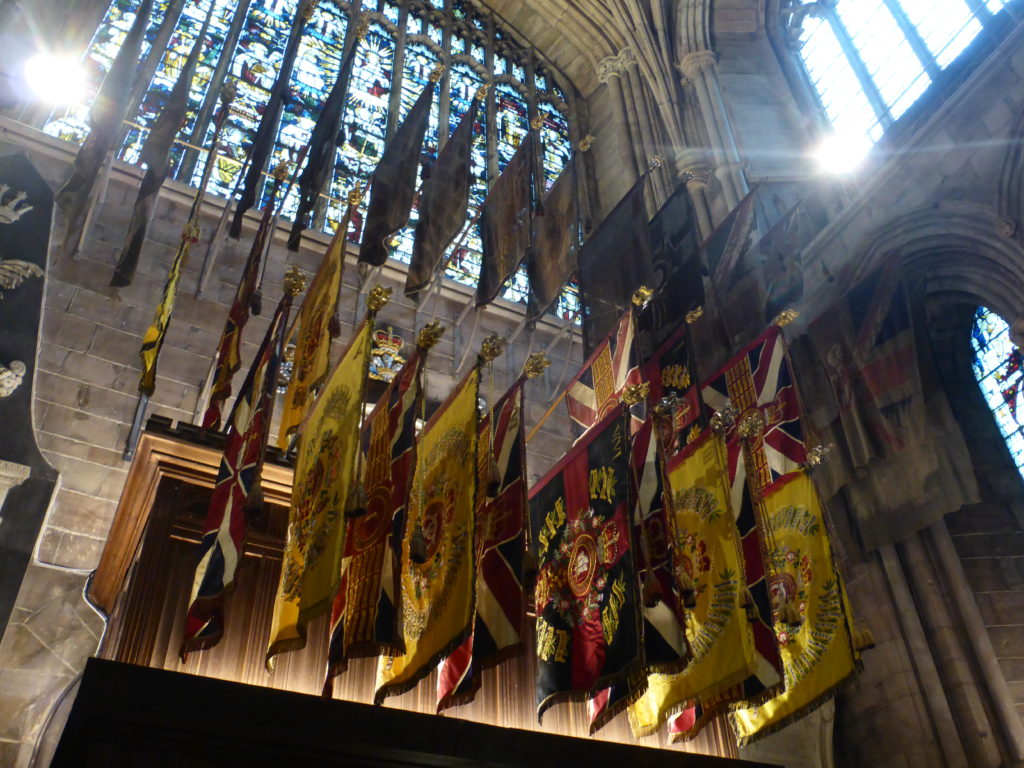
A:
x,y
313,345
153,338
817,653
706,548
324,475
437,594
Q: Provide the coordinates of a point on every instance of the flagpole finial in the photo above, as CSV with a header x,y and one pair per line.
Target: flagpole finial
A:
x,y
481,92
492,347
355,196
377,299
785,317
586,143
280,172
362,28
536,364
294,281
641,296
656,161
435,75
817,456
694,315
725,419
635,393
537,123
308,7
229,91
429,335
666,407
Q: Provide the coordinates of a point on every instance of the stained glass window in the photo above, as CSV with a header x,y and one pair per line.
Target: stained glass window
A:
x,y
478,52
998,369
870,60
512,120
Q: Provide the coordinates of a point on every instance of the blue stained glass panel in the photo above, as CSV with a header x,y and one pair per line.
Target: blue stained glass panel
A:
x,y
999,370
556,149
512,120
317,66
365,120
419,62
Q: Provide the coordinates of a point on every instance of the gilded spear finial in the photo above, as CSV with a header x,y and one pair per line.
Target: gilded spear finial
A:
x,y
481,92
430,334
436,73
641,296
492,347
537,123
229,91
694,315
294,281
377,299
280,172
635,393
586,143
785,317
536,364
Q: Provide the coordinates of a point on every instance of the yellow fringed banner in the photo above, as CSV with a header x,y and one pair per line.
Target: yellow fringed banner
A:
x,y
817,652
437,590
313,345
706,549
324,475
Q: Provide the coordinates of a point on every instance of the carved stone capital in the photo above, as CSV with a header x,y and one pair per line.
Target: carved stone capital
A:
x,y
615,66
696,62
11,476
692,167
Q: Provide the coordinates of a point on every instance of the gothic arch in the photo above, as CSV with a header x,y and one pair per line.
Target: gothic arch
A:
x,y
956,248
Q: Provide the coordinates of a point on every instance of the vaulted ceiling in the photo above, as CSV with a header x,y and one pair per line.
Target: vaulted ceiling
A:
x,y
575,35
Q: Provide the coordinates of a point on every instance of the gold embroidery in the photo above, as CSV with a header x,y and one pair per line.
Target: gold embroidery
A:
x,y
602,484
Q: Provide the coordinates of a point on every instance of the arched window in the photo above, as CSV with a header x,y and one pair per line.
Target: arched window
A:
x,y
998,369
406,40
870,60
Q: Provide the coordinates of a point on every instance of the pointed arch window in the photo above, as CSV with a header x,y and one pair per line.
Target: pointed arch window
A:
x,y
407,38
870,60
999,369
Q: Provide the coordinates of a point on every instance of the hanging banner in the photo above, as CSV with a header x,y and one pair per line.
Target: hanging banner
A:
x,y
437,591
588,633
815,635
705,548
324,476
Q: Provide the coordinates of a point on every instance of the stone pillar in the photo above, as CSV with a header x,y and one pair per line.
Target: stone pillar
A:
x,y
610,70
942,720
691,164
701,68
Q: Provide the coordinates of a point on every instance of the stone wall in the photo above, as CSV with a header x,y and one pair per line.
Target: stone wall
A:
x,y
85,396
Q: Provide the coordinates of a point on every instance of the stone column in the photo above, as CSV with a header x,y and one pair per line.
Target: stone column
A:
x,y
701,68
691,164
610,70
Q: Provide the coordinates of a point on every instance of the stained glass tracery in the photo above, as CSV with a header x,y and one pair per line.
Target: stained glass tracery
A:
x,y
998,364
391,68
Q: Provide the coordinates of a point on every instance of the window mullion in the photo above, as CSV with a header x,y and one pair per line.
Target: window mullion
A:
x,y
981,11
397,72
217,78
860,69
917,43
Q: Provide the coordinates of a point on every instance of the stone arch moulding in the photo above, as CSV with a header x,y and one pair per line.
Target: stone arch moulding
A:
x,y
953,246
1011,180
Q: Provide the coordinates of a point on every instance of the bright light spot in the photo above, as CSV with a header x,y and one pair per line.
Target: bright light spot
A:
x,y
842,153
56,79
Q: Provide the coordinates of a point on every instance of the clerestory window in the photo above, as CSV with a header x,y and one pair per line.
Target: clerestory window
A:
x,y
1000,374
870,60
405,41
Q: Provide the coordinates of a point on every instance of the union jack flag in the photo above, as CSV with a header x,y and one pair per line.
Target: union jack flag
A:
x,y
229,350
758,382
236,490
500,544
596,390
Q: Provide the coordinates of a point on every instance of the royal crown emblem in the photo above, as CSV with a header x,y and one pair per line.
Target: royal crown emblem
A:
x,y
385,360
12,209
